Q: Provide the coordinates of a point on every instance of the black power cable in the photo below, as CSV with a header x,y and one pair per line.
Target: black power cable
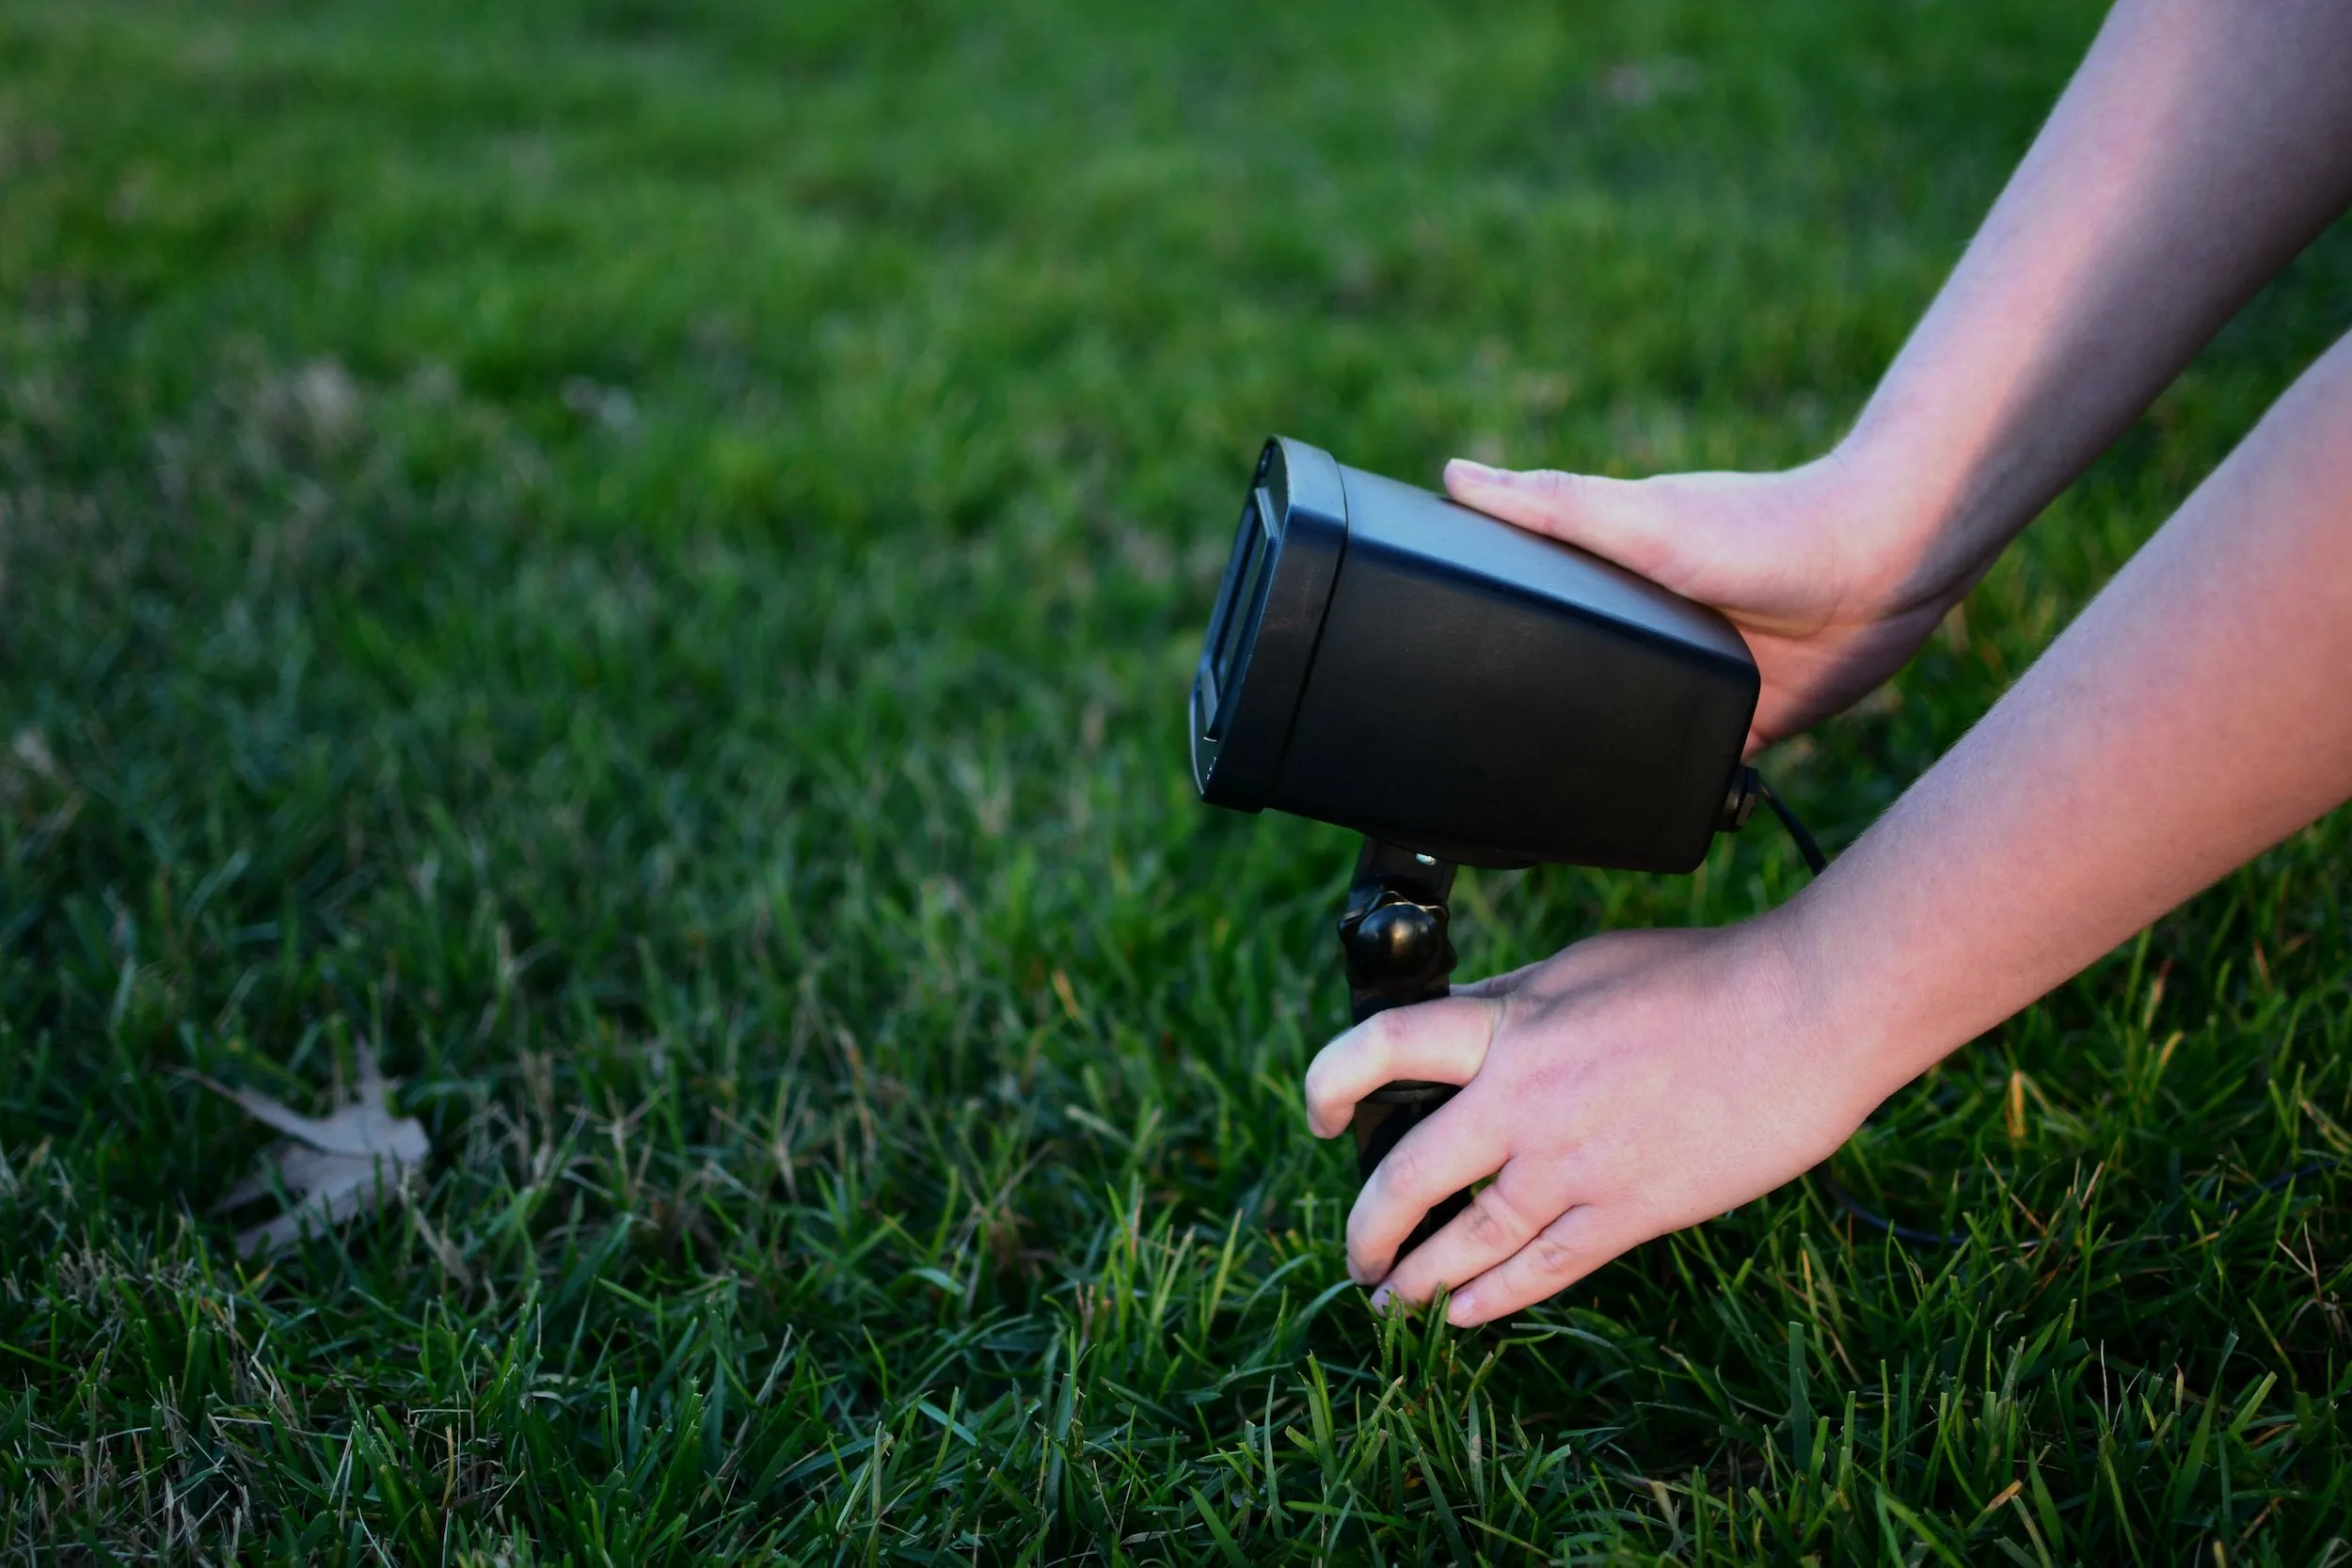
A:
x,y
1809,849
1807,845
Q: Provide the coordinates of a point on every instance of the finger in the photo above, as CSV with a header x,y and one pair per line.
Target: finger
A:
x,y
1461,1142
1439,1042
1504,1216
1561,1254
1495,986
1612,517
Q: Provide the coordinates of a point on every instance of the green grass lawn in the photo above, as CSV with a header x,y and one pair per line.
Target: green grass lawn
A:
x,y
644,556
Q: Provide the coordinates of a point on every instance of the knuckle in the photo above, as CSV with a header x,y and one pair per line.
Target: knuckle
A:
x,y
1380,1037
1404,1171
1553,1256
1556,486
1492,1219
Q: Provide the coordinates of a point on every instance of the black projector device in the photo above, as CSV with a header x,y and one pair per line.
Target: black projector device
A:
x,y
1461,691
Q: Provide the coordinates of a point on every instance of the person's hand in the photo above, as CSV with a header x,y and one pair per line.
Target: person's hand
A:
x,y
1816,567
1636,1084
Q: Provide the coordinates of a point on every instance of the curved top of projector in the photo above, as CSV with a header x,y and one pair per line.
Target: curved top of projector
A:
x,y
1382,658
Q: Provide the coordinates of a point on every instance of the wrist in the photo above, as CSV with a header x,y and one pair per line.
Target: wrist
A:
x,y
1952,490
1915,544
1825,996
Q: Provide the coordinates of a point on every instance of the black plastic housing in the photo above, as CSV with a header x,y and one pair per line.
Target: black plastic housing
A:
x,y
1386,659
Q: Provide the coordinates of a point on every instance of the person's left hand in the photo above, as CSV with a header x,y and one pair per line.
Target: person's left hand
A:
x,y
1633,1084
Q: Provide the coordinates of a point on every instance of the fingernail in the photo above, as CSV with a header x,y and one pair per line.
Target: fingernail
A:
x,y
1458,1314
1473,473
1381,1297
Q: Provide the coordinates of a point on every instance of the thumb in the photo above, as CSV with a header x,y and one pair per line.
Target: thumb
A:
x,y
1621,520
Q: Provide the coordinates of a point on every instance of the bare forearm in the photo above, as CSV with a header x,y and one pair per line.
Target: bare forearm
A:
x,y
2198,149
1644,1080
2195,714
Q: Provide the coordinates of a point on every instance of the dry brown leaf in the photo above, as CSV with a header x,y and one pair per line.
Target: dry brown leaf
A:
x,y
336,1167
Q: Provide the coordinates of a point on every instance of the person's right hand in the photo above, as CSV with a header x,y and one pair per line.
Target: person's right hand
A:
x,y
1807,563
